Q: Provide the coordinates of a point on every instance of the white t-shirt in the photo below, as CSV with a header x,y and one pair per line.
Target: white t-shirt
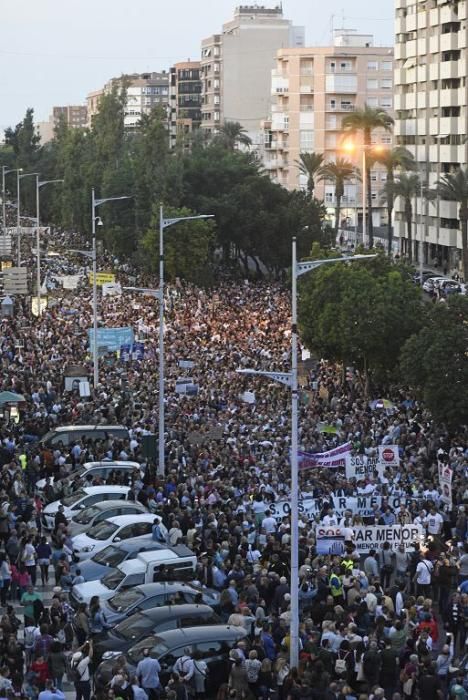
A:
x,y
269,524
424,572
434,523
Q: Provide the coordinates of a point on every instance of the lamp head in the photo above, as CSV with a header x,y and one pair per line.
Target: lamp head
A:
x,y
99,221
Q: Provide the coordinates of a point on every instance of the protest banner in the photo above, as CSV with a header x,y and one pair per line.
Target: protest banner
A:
x,y
445,481
111,289
361,467
332,458
330,540
133,351
110,339
359,505
186,364
389,455
101,278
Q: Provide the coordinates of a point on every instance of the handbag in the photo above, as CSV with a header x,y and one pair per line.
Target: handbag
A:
x,y
340,665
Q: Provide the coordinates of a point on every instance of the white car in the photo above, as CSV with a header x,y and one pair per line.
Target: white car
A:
x,y
444,283
90,469
87,496
111,531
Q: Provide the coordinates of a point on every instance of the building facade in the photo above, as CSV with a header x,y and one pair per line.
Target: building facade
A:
x,y
431,101
236,66
185,101
74,116
312,90
145,91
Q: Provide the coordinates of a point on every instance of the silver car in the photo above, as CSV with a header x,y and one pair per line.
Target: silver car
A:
x,y
86,518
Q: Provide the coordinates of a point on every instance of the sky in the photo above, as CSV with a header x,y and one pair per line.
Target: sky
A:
x,y
53,52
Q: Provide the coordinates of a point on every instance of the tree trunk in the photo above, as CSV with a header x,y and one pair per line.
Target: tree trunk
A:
x,y
409,216
389,230
370,223
464,237
337,216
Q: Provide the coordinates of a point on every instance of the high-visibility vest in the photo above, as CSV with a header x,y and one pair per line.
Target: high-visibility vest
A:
x,y
348,564
23,461
336,586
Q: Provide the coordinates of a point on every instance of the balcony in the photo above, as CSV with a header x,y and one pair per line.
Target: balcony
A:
x,y
306,88
449,42
449,237
448,210
449,97
448,154
340,108
449,69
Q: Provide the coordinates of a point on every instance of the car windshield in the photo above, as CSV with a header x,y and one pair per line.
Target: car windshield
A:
x,y
122,601
156,646
134,627
102,530
86,515
110,556
73,498
112,579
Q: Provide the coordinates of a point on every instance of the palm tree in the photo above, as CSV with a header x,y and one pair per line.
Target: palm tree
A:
x,y
406,186
233,133
393,159
366,120
454,188
309,164
338,172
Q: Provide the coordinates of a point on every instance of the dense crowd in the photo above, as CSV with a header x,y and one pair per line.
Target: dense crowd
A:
x,y
388,624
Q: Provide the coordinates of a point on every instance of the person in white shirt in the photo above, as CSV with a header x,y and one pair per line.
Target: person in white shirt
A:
x,y
435,523
330,519
423,576
269,523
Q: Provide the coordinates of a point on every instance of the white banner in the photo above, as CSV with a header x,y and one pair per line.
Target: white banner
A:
x,y
358,505
330,540
111,289
445,481
332,458
361,467
69,281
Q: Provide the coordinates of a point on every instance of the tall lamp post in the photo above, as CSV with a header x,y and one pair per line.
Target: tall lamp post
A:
x,y
94,204
351,147
290,380
5,172
19,177
39,184
163,224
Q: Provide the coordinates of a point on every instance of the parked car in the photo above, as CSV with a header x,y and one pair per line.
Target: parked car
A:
x,y
66,434
111,556
154,595
171,564
119,639
115,529
87,517
427,274
89,470
446,284
214,642
84,497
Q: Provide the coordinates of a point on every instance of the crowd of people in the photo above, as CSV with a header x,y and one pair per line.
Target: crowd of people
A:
x,y
390,623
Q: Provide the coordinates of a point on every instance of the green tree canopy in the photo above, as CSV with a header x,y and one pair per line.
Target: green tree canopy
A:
x,y
434,362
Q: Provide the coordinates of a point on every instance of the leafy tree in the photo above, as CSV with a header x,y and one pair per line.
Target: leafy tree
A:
x,y
454,188
398,158
366,120
406,187
338,172
232,134
360,313
188,246
24,141
434,362
309,164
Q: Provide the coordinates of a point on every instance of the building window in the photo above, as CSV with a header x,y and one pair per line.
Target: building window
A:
x,y
372,101
386,84
387,65
386,102
372,65
372,84
307,140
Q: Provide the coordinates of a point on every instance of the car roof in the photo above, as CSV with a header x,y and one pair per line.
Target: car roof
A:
x,y
134,543
73,428
150,589
107,505
192,635
113,463
90,490
163,554
175,611
128,519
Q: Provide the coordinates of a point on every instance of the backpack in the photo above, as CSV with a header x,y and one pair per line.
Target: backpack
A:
x,y
73,674
29,636
340,665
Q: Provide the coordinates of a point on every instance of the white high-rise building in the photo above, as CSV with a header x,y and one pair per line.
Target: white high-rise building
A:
x,y
431,104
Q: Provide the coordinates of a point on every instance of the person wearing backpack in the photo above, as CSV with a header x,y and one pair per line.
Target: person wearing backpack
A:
x,y
344,664
81,624
80,672
98,622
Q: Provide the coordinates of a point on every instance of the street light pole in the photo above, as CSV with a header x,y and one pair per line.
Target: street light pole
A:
x,y
4,171
39,184
364,187
94,204
290,379
163,224
18,224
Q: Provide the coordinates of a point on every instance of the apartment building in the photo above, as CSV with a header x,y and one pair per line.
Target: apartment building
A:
x,y
236,66
312,90
75,116
145,91
184,101
431,101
